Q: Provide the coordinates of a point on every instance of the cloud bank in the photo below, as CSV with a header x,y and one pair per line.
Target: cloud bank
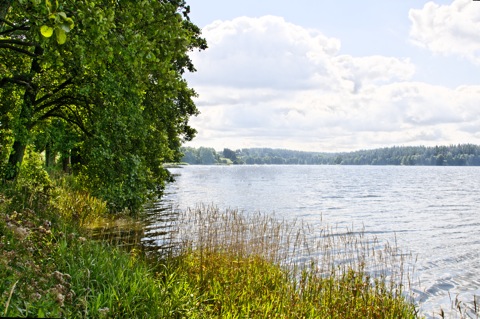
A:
x,y
448,29
265,82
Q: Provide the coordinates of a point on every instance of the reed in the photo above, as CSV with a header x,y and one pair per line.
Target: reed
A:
x,y
254,265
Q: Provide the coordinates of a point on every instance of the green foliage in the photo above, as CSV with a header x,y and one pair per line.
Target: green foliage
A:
x,y
200,156
108,90
55,272
33,185
33,177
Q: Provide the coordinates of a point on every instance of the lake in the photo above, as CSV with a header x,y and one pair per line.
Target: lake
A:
x,y
433,212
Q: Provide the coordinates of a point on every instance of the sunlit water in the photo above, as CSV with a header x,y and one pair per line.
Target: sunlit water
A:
x,y
433,212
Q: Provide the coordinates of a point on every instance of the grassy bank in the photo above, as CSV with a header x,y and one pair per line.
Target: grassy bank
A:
x,y
228,265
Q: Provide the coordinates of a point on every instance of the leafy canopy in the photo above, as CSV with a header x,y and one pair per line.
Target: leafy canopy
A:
x,y
101,81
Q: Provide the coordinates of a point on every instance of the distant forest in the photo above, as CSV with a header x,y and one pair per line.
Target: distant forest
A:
x,y
453,155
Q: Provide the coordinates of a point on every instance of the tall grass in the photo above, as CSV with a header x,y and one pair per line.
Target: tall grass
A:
x,y
259,266
291,244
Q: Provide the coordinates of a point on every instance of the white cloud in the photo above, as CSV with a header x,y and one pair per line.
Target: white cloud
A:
x,y
265,82
448,29
263,52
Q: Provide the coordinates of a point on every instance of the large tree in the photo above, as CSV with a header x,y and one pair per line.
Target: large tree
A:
x,y
111,71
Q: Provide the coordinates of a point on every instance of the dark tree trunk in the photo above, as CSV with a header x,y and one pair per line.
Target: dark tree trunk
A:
x,y
25,117
49,155
66,163
15,160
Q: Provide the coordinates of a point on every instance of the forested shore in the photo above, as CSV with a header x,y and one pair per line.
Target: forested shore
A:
x,y
452,155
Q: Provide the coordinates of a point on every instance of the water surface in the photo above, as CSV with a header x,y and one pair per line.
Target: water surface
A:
x,y
432,212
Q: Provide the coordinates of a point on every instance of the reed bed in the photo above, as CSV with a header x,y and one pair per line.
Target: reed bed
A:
x,y
291,244
255,265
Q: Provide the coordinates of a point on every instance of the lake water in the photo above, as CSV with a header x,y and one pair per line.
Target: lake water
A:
x,y
433,212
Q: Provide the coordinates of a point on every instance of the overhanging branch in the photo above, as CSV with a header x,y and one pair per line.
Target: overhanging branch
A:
x,y
19,50
55,91
58,114
20,80
15,28
19,42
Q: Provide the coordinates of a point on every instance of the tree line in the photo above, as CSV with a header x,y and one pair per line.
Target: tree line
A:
x,y
452,155
98,86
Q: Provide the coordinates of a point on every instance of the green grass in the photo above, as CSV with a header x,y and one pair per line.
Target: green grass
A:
x,y
250,287
56,272
229,266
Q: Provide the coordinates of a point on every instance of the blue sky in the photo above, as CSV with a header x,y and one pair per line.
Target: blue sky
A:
x,y
337,75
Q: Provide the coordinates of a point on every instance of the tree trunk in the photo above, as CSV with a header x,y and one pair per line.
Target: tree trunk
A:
x,y
15,160
66,164
49,155
25,117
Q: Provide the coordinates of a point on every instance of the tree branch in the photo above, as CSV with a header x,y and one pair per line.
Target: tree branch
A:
x,y
57,89
21,27
54,113
14,27
19,79
10,24
60,101
11,47
19,42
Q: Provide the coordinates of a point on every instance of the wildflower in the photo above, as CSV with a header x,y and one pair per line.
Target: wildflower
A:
x,y
60,299
35,296
60,288
47,224
103,311
82,239
69,296
62,279
45,230
20,232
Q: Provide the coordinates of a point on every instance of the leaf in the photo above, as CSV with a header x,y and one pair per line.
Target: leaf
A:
x,y
61,35
65,27
70,22
49,5
46,31
63,15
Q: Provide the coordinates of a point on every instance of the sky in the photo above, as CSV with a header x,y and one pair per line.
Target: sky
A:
x,y
334,76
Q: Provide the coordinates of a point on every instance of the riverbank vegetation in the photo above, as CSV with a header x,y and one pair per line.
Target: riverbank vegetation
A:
x,y
219,264
452,155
